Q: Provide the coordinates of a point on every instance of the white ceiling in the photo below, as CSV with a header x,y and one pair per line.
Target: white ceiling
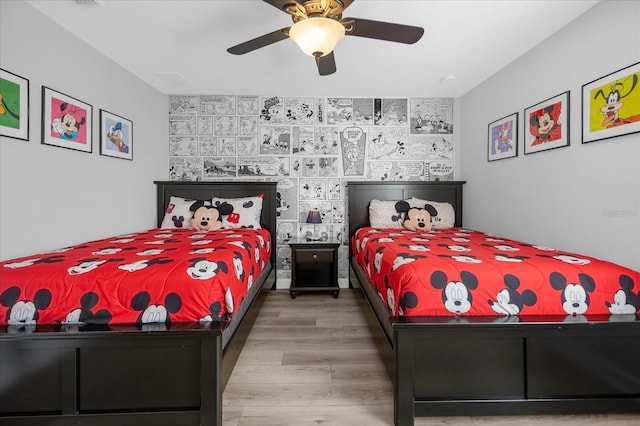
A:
x,y
179,46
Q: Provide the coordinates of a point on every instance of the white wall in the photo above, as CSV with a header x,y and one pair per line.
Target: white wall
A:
x,y
582,198
52,197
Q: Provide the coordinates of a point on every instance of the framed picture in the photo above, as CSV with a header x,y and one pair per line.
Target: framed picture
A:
x,y
14,106
116,136
611,105
503,138
66,121
547,124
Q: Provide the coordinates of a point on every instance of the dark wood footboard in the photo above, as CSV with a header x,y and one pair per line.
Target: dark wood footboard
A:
x,y
542,367
122,376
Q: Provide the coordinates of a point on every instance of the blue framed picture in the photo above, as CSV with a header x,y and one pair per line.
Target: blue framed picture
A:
x,y
116,136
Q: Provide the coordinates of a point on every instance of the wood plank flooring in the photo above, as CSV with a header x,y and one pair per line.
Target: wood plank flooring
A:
x,y
312,361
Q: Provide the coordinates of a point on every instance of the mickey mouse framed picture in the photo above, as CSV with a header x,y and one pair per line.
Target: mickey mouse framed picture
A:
x,y
547,124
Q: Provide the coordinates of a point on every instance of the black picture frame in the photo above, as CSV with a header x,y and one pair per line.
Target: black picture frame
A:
x,y
546,124
603,101
502,138
116,136
67,122
14,106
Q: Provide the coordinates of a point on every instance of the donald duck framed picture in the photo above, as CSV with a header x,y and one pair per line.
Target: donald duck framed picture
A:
x,y
116,136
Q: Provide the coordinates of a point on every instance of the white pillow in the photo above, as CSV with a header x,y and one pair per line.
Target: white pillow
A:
x,y
383,214
446,217
239,212
178,215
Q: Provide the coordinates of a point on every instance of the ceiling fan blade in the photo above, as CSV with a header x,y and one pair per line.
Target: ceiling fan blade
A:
x,y
279,4
326,64
258,42
382,30
346,3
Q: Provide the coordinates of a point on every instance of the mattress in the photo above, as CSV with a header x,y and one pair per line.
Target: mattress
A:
x,y
152,277
461,272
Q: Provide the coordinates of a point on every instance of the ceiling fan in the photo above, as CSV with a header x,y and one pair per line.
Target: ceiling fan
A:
x,y
319,25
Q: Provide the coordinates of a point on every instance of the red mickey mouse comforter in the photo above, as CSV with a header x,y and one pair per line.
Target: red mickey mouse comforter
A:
x,y
460,272
157,276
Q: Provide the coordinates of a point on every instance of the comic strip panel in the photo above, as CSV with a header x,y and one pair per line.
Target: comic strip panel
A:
x,y
217,105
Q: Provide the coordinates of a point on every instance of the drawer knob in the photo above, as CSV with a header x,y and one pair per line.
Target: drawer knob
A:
x,y
315,256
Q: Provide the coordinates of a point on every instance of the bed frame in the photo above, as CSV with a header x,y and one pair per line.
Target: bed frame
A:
x,y
126,376
444,366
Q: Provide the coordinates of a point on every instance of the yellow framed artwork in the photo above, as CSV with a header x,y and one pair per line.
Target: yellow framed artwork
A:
x,y
611,105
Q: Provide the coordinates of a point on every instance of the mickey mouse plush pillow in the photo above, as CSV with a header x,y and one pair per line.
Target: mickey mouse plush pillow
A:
x,y
205,217
446,216
383,214
417,218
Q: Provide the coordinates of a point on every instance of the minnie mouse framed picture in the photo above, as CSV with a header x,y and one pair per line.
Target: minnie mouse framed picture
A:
x,y
547,124
66,121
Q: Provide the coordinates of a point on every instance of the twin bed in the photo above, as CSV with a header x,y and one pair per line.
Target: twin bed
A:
x,y
455,339
475,324
144,328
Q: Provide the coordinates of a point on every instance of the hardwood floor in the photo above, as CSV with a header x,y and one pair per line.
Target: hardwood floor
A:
x,y
311,360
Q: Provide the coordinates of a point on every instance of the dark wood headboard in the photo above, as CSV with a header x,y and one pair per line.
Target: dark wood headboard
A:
x,y
359,194
207,190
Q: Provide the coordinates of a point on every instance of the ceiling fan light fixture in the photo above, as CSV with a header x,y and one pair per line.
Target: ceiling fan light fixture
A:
x,y
317,36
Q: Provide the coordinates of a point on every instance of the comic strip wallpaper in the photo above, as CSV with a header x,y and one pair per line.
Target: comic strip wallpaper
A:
x,y
311,147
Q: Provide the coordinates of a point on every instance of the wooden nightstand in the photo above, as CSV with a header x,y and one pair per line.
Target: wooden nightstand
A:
x,y
314,266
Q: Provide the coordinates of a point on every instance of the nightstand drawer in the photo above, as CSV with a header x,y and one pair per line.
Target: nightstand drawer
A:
x,y
314,255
